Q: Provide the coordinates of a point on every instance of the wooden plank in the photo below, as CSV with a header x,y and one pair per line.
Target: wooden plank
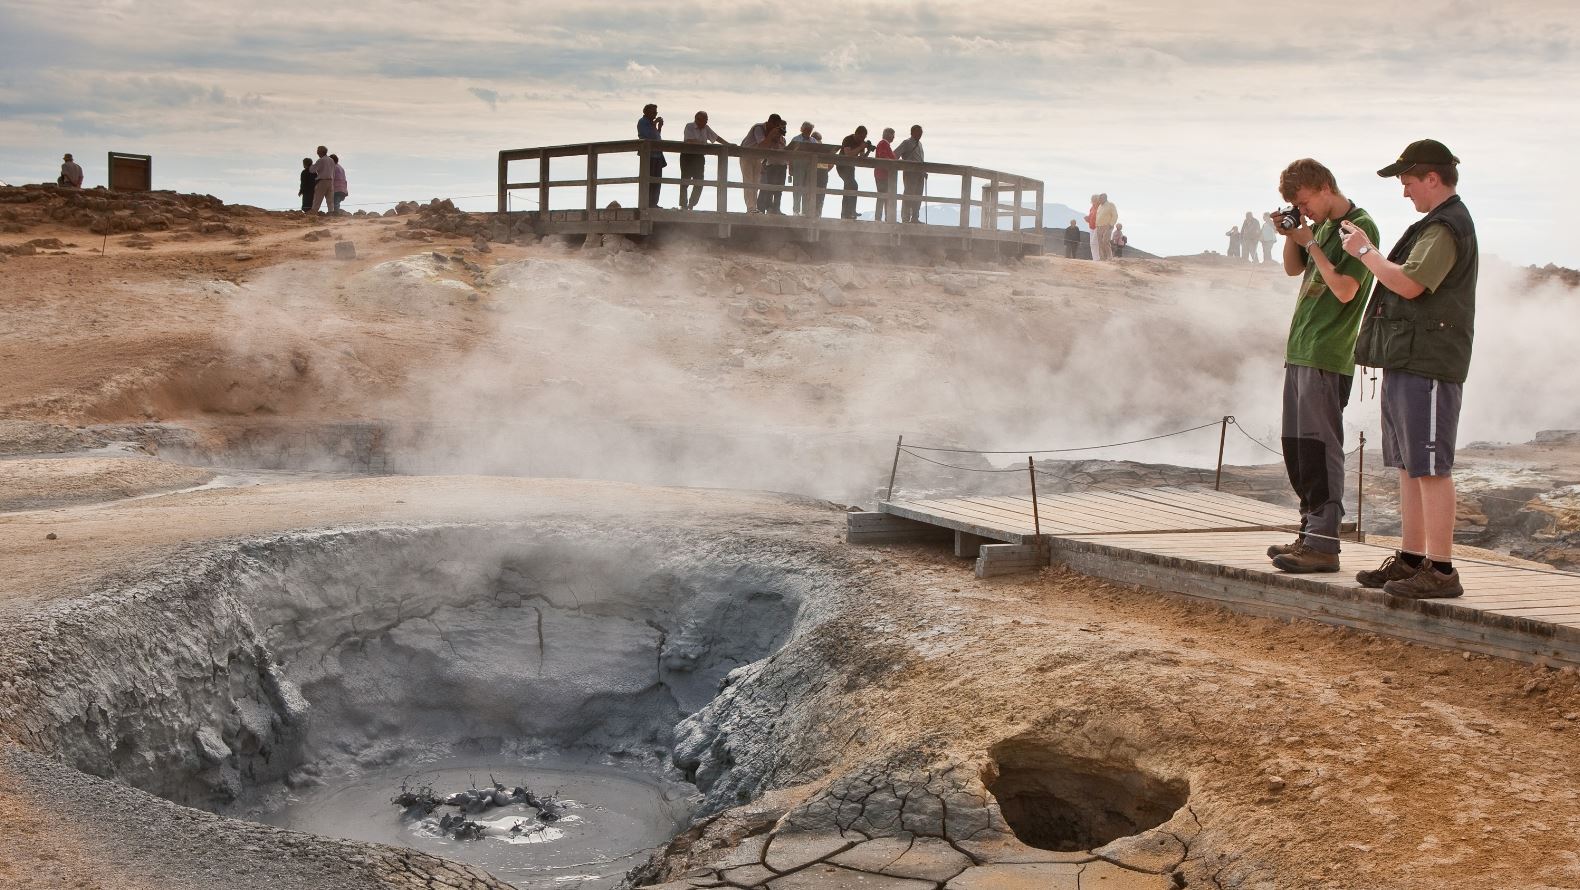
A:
x,y
990,517
883,528
953,521
1005,559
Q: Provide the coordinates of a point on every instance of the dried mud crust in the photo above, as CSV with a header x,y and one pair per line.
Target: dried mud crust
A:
x,y
1313,757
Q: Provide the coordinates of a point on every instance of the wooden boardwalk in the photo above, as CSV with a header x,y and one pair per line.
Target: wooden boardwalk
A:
x,y
1211,545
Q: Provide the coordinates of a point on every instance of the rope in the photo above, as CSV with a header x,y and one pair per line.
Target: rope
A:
x,y
907,450
1031,451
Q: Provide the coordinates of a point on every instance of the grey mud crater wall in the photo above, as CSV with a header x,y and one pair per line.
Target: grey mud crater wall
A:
x,y
269,660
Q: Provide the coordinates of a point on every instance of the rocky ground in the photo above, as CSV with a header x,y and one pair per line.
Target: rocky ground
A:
x,y
183,375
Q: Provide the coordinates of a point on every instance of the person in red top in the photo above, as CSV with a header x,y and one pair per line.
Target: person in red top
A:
x,y
885,178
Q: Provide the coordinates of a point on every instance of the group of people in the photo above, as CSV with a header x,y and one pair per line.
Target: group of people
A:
x,y
764,177
1108,233
323,183
1416,327
1244,237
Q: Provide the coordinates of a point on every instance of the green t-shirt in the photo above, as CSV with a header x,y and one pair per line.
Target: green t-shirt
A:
x,y
1322,332
1431,257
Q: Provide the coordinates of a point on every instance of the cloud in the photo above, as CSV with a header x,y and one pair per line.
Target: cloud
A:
x,y
842,58
489,97
639,71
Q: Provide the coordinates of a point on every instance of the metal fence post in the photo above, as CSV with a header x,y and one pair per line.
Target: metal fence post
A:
x,y
896,467
1036,516
1223,432
1360,493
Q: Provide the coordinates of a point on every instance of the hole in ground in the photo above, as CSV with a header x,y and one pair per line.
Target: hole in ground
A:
x,y
1056,801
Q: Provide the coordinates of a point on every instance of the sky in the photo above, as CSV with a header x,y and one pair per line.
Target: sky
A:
x,y
1183,113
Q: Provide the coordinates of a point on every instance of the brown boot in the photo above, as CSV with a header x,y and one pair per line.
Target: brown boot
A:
x,y
1304,560
1392,569
1426,584
1278,550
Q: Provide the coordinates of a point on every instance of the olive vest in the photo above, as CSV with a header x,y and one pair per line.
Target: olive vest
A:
x,y
1431,334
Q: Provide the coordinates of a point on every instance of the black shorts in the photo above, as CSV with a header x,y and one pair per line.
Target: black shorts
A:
x,y
1420,423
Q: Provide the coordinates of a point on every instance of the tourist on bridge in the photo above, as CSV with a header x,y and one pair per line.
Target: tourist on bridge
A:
x,y
691,165
70,172
774,172
884,178
1319,357
1072,239
751,166
651,126
803,169
915,181
1426,286
306,183
853,146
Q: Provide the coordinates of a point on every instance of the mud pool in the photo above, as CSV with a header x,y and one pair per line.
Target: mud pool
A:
x,y
613,817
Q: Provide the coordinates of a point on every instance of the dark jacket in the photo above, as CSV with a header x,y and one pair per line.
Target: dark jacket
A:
x,y
309,182
1431,334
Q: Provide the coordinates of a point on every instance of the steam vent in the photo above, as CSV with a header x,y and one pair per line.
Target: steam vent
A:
x,y
575,547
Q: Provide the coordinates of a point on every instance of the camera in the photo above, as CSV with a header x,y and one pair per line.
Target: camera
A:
x,y
1286,218
869,145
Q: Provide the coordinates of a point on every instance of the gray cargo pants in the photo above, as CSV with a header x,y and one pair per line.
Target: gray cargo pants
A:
x,y
1313,440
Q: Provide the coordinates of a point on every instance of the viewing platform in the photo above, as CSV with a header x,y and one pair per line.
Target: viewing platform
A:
x,y
602,188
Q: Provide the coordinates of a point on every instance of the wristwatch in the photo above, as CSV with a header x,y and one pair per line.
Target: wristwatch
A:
x,y
1364,251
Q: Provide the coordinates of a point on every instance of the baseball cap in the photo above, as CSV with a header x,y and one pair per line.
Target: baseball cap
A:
x,y
1425,151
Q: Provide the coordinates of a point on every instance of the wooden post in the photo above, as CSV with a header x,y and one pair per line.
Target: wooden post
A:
x,y
721,181
1223,431
504,194
1017,205
1036,516
965,200
644,176
896,468
1039,205
543,188
1360,493
592,181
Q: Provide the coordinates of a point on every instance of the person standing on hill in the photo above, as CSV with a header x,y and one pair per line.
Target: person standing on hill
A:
x,y
1234,243
323,180
341,189
915,180
305,184
1120,240
1418,329
1072,239
1103,236
70,172
1269,237
1250,236
651,126
1319,359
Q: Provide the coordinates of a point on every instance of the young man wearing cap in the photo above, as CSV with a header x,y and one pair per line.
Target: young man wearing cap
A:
x,y
1418,330
1319,359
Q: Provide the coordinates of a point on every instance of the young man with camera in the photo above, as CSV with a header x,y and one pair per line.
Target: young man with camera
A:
x,y
1319,359
1418,330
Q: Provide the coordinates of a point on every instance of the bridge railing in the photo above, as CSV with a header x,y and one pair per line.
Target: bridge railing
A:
x,y
602,170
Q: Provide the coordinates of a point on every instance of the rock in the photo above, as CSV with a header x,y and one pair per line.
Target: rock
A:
x,y
310,236
345,250
241,257
480,244
1275,784
954,287
832,294
50,537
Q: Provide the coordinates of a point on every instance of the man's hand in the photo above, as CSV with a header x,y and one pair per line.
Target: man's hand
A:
x,y
1354,238
1301,234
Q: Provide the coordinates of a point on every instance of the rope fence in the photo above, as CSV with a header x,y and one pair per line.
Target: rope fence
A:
x,y
1248,522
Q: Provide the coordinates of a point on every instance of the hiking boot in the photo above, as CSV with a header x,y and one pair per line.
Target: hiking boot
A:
x,y
1302,560
1392,569
1426,584
1278,550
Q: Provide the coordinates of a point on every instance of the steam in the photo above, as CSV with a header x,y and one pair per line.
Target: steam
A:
x,y
651,367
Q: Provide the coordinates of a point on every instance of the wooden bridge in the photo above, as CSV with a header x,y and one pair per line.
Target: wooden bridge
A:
x,y
1211,545
603,187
